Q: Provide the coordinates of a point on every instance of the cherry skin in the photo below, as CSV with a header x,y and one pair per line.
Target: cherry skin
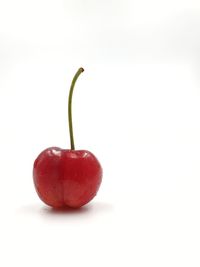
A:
x,y
66,177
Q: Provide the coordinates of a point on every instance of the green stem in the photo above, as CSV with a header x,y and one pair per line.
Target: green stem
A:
x,y
80,70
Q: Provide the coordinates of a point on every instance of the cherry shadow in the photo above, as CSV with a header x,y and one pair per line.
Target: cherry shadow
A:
x,y
66,210
91,209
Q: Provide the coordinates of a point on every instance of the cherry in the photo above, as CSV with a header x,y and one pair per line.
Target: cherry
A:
x,y
67,177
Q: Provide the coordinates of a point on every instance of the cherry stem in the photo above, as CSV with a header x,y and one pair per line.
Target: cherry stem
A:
x,y
79,71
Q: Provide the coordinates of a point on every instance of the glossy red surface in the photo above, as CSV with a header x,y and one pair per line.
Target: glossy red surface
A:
x,y
66,177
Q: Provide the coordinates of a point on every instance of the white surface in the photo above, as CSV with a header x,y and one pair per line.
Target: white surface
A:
x,y
136,107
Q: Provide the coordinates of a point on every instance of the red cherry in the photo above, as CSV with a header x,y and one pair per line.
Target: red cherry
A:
x,y
67,177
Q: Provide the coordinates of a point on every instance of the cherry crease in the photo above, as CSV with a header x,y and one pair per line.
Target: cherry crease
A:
x,y
67,177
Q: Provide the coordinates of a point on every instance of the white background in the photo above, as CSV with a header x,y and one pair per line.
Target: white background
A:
x,y
136,107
